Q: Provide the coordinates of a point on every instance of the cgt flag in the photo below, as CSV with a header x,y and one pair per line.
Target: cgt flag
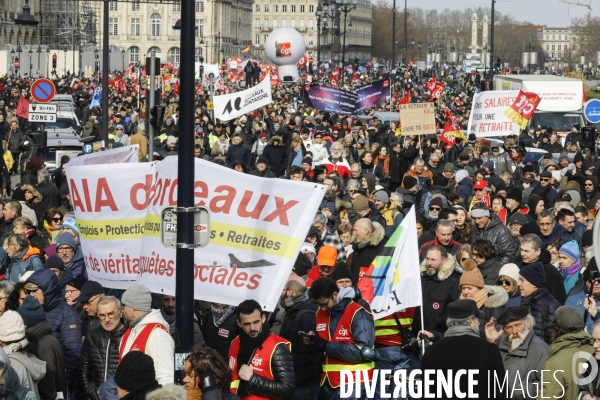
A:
x,y
521,110
393,280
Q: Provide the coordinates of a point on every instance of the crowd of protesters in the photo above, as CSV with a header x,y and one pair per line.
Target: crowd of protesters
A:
x,y
509,280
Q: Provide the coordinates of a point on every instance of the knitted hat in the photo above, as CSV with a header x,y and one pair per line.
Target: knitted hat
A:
x,y
71,223
571,250
518,219
530,227
470,171
569,318
437,202
534,273
262,135
137,297
410,182
449,167
471,276
262,160
587,238
489,165
135,371
361,203
171,140
382,196
309,247
77,282
327,256
55,262
32,311
461,174
11,326
307,160
342,271
514,194
510,270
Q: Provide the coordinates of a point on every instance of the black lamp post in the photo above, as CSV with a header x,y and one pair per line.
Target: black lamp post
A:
x,y
345,7
19,50
12,59
65,50
48,60
30,66
39,53
96,61
420,47
123,54
319,14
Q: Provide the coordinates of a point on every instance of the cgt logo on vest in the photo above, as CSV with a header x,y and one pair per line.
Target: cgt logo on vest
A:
x,y
344,332
231,362
256,361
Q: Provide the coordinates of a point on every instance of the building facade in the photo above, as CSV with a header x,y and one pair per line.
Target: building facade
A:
x,y
301,15
561,48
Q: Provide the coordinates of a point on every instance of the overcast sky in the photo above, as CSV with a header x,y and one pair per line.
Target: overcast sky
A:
x,y
540,12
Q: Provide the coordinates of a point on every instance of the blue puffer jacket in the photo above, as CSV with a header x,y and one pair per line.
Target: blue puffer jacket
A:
x,y
64,320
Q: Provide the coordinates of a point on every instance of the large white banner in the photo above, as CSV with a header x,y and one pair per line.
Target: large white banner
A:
x,y
487,117
257,227
125,154
230,106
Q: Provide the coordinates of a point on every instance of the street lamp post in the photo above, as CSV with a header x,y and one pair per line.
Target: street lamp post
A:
x,y
319,14
39,53
123,55
420,46
65,50
48,61
30,66
405,57
345,8
393,63
12,60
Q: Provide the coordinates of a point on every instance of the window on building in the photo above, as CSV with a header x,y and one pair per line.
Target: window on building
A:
x,y
283,23
135,27
275,23
134,54
135,6
175,32
310,40
257,40
257,22
177,6
292,23
547,47
265,38
311,8
173,54
266,8
301,23
553,37
155,25
566,47
257,8
198,53
199,6
302,8
275,7
266,23
293,8
199,28
553,47
559,47
113,26
547,37
156,50
310,24
566,37
113,6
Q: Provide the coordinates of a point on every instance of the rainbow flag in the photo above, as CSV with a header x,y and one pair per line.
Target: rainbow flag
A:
x,y
246,51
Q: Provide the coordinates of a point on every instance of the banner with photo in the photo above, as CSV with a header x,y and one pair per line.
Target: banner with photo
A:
x,y
327,98
371,95
257,227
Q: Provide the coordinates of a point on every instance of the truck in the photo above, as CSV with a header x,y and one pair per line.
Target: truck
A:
x,y
562,99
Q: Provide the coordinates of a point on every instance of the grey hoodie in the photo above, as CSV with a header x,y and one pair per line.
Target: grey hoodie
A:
x,y
29,368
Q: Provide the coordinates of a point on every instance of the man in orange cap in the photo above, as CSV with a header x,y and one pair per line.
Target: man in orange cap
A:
x,y
326,260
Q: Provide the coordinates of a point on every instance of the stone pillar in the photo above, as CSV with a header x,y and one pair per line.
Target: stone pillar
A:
x,y
473,45
484,31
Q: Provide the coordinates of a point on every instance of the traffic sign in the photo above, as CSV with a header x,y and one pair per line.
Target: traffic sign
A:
x,y
38,117
43,90
168,226
43,108
591,111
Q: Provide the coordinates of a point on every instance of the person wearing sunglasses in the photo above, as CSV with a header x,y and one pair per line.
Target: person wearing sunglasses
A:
x,y
508,278
52,222
481,195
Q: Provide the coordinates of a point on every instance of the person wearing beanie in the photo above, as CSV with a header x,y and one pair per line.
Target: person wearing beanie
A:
x,y
390,213
570,264
465,186
44,345
508,279
514,197
262,169
57,265
410,182
488,226
136,377
138,314
70,226
63,319
71,254
28,367
490,299
569,342
535,295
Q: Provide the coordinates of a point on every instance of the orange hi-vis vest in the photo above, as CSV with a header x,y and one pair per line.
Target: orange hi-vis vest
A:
x,y
387,332
140,342
342,334
261,363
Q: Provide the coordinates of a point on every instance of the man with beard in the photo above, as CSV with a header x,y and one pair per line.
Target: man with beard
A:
x,y
393,217
147,330
261,363
336,162
521,349
300,317
168,313
219,328
566,218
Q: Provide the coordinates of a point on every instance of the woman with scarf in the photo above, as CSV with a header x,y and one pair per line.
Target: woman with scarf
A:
x,y
382,161
463,223
570,264
220,147
499,208
23,226
367,166
51,224
490,298
517,154
33,199
536,206
219,328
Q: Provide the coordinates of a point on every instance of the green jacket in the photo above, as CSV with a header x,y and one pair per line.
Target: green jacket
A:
x,y
560,357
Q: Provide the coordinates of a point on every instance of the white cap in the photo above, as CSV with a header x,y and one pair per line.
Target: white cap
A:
x,y
510,270
308,247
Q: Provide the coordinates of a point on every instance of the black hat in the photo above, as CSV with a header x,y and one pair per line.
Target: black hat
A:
x,y
302,264
587,238
515,194
89,290
535,274
528,168
55,262
512,314
530,227
462,308
410,182
472,138
77,282
546,174
517,218
342,271
577,126
313,232
135,371
292,123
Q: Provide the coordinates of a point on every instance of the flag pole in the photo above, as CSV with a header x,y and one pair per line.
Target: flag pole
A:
x,y
422,326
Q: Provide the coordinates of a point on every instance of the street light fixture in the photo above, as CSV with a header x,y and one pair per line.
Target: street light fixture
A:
x,y
345,7
39,53
25,18
30,66
123,58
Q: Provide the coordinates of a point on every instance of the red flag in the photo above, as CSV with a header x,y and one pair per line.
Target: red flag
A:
x,y
23,108
431,85
405,99
523,107
436,92
176,87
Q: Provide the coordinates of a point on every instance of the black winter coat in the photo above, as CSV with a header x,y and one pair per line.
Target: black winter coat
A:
x,y
407,156
396,168
363,257
275,156
46,348
237,153
307,361
282,368
50,194
490,270
543,318
499,234
219,338
99,360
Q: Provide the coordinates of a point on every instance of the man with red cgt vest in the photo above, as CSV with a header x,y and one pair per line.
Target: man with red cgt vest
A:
x,y
261,362
148,332
345,334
